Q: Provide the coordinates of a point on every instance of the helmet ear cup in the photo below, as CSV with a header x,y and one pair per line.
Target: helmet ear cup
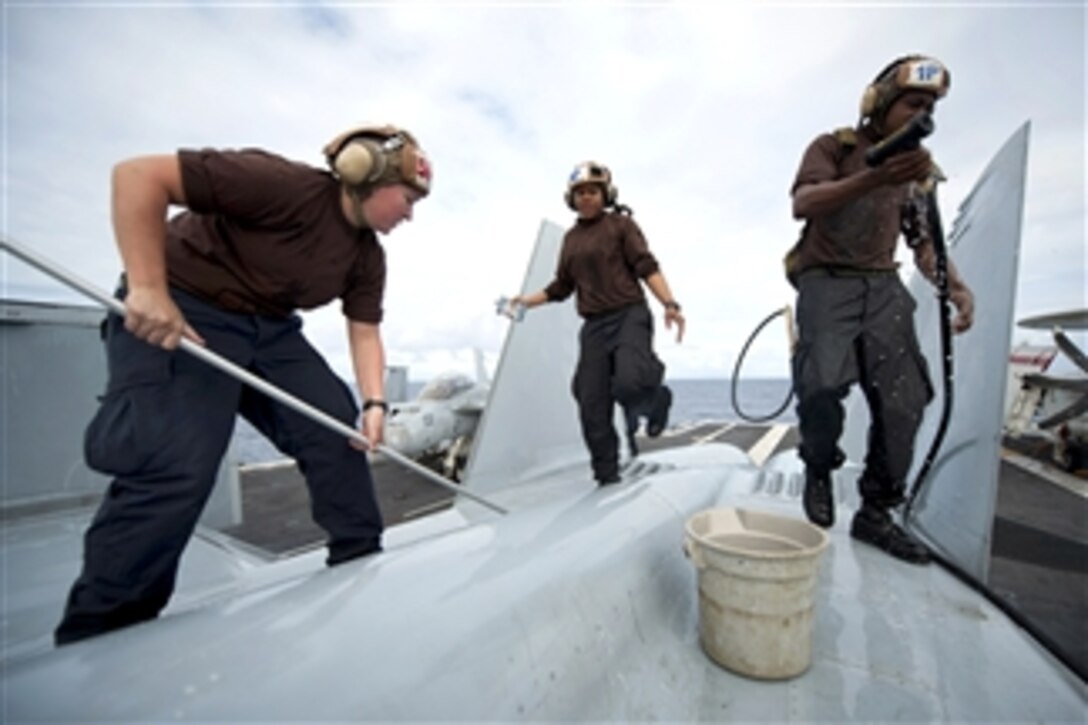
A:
x,y
872,98
359,161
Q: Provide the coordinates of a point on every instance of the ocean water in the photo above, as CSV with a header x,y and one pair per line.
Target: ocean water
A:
x,y
692,401
696,400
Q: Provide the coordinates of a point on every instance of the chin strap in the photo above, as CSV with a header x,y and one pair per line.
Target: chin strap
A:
x,y
357,208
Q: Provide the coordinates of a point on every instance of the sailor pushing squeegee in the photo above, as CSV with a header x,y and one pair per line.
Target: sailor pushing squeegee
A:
x,y
260,238
203,353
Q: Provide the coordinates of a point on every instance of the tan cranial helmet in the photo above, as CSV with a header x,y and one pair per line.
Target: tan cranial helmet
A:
x,y
909,73
591,172
367,156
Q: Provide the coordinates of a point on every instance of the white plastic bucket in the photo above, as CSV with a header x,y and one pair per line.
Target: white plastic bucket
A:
x,y
757,581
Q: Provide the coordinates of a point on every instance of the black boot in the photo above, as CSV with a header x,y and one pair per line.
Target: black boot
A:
x,y
608,479
875,526
817,499
342,551
658,416
632,428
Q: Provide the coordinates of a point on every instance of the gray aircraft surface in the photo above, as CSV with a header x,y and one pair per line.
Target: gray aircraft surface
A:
x,y
580,603
437,427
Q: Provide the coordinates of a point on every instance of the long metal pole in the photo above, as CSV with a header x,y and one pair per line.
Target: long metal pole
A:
x,y
116,306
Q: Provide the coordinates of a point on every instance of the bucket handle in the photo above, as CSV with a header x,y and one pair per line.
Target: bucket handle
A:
x,y
691,551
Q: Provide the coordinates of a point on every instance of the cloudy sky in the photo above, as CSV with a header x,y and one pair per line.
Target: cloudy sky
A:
x,y
701,110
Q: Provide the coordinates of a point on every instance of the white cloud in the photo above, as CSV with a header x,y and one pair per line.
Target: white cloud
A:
x,y
702,110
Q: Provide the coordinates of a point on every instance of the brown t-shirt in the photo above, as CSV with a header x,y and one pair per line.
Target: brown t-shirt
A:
x,y
266,236
863,233
602,259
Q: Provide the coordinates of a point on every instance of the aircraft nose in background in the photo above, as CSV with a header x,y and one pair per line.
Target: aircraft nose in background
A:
x,y
399,436
414,430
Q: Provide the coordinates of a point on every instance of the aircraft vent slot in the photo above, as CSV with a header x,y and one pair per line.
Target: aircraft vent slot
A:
x,y
779,484
796,485
637,470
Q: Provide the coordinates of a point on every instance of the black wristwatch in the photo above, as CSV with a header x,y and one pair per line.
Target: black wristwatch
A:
x,y
672,305
374,403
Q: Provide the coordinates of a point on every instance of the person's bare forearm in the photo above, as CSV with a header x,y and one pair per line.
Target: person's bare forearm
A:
x,y
825,197
532,300
140,199
660,287
368,359
814,200
925,260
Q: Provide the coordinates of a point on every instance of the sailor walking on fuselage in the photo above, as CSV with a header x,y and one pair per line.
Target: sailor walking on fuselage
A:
x,y
603,259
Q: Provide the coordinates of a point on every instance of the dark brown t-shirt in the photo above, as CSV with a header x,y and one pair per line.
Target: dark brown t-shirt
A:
x,y
602,259
266,236
863,233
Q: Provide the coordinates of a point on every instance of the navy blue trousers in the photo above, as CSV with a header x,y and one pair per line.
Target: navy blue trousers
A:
x,y
162,429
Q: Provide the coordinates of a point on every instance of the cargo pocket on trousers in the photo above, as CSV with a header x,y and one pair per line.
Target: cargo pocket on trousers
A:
x,y
132,423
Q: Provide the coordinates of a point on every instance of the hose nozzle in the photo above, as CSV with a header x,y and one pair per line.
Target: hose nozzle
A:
x,y
906,138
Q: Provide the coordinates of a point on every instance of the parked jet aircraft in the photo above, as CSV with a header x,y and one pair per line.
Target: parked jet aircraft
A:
x,y
579,604
1021,400
437,427
1062,401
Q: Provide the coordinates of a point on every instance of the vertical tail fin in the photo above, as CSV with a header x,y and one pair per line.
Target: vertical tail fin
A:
x,y
955,509
481,369
530,421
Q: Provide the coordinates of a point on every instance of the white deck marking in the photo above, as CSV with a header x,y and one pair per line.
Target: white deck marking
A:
x,y
679,429
707,438
427,508
765,446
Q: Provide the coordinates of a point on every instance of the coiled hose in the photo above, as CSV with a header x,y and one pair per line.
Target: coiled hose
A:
x,y
740,360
